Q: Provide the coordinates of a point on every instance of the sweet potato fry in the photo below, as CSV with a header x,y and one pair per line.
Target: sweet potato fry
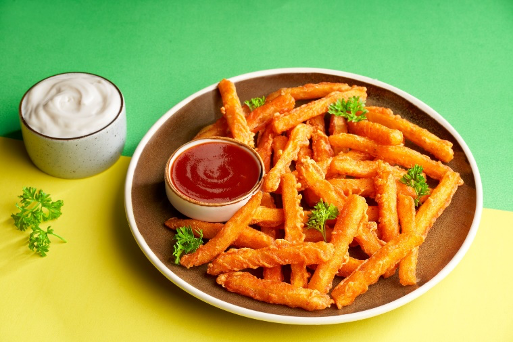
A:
x,y
248,238
321,148
314,108
274,255
393,154
344,231
310,91
386,198
272,273
293,225
367,238
262,115
364,187
440,148
349,266
407,214
268,217
438,200
313,176
299,137
218,128
273,292
370,271
264,146
228,234
377,132
234,113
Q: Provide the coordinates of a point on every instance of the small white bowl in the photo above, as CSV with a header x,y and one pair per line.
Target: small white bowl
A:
x,y
210,212
89,152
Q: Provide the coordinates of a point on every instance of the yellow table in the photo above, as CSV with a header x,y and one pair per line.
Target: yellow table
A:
x,y
100,287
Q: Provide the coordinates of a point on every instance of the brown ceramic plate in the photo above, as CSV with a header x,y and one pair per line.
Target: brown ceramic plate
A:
x,y
148,208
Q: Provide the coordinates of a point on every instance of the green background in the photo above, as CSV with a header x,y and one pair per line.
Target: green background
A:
x,y
456,56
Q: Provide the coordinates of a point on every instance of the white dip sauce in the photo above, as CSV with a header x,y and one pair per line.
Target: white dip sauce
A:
x,y
71,105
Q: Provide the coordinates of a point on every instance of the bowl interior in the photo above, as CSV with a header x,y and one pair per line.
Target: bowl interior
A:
x,y
151,207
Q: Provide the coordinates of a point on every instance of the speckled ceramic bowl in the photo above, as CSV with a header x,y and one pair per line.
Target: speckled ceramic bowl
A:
x,y
76,157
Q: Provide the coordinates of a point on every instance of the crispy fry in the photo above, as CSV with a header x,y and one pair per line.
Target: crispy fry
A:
x,y
377,132
228,234
293,225
310,91
278,146
248,238
370,271
314,108
349,266
264,146
407,214
268,217
274,255
344,231
386,195
393,154
347,166
234,113
300,136
321,148
440,148
273,292
313,176
272,273
218,128
363,187
367,238
438,200
260,116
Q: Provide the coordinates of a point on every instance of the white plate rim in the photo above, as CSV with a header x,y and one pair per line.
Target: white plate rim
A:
x,y
343,318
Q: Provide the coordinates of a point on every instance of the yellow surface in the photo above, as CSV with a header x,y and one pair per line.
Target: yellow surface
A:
x,y
100,287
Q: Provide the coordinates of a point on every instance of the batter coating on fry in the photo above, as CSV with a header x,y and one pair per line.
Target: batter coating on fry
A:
x,y
440,148
274,255
274,292
370,271
226,237
345,230
234,113
300,136
314,108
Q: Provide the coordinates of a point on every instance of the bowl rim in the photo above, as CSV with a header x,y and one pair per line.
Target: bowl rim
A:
x,y
194,142
343,318
22,118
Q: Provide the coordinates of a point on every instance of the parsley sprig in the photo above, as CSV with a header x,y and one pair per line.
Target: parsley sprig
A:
x,y
322,212
253,103
186,242
349,109
415,179
35,208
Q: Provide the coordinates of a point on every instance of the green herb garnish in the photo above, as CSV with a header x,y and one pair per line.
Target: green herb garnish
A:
x,y
255,102
414,178
349,109
186,242
319,215
35,208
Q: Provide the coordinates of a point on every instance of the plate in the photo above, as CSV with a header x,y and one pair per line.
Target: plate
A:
x,y
147,207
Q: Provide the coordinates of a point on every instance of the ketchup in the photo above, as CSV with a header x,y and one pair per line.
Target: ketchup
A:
x,y
215,172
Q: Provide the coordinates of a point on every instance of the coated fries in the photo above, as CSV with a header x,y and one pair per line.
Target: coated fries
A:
x,y
312,158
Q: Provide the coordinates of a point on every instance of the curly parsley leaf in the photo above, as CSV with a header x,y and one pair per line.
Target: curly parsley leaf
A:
x,y
255,102
353,109
415,179
186,242
320,214
39,240
35,207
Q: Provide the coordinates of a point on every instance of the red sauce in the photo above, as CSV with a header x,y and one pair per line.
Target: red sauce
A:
x,y
215,172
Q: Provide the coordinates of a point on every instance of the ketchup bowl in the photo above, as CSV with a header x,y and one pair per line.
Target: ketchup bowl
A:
x,y
209,179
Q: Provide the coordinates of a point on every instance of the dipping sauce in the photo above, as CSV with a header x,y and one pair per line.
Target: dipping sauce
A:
x,y
215,172
71,105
